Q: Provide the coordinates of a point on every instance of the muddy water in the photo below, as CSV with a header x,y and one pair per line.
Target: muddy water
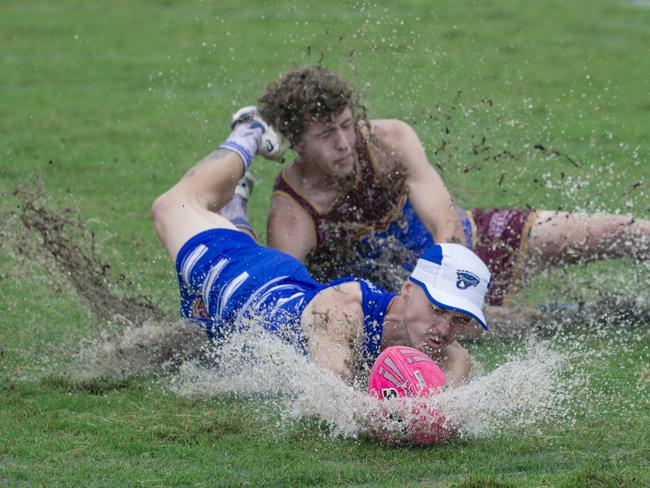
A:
x,y
539,381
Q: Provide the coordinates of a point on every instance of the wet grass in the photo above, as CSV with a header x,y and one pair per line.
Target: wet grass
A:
x,y
107,104
132,432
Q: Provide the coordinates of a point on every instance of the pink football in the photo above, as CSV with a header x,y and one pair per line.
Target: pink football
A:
x,y
402,371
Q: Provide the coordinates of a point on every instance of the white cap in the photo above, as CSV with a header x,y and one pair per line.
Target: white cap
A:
x,y
454,278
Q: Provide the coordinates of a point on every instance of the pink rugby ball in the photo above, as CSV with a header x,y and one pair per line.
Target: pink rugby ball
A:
x,y
402,371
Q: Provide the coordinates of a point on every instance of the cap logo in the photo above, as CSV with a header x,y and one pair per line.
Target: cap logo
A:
x,y
465,279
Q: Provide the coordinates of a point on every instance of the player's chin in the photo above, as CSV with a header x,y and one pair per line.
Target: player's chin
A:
x,y
430,348
344,167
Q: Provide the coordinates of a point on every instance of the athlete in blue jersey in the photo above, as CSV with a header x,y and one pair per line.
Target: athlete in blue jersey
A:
x,y
228,281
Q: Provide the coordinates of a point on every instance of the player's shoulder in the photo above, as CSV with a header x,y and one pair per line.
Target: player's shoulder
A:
x,y
356,291
348,291
341,295
389,131
287,187
389,138
338,304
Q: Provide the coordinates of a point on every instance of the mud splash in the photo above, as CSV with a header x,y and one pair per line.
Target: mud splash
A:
x,y
149,348
542,381
530,388
51,238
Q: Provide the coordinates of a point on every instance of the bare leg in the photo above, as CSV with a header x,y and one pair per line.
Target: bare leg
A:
x,y
190,206
562,237
236,210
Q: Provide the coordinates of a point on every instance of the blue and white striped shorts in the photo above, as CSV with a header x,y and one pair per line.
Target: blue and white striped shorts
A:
x,y
225,277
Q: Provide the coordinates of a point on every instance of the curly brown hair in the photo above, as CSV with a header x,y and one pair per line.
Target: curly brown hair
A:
x,y
300,97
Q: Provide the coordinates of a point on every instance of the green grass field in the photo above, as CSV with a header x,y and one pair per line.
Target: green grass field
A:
x,y
106,104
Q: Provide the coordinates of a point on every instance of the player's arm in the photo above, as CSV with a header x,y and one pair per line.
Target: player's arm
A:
x,y
290,228
427,192
333,324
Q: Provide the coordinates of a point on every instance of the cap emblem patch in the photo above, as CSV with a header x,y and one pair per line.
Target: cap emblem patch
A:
x,y
465,279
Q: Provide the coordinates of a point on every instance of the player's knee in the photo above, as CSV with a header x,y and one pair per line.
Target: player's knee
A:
x,y
160,209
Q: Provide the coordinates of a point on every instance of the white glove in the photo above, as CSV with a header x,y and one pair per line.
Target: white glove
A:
x,y
272,145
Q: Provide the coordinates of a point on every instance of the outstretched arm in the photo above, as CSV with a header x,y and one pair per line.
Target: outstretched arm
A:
x,y
427,192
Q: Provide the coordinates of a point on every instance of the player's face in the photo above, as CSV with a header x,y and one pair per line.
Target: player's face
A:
x,y
431,328
329,146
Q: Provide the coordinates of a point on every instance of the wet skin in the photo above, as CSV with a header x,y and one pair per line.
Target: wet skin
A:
x,y
430,328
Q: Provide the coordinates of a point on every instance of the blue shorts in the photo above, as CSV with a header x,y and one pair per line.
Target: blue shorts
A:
x,y
226,279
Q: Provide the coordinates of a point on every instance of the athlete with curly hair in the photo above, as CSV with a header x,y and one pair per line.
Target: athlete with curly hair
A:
x,y
362,198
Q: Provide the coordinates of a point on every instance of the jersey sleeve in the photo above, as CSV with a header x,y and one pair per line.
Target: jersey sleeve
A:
x,y
375,304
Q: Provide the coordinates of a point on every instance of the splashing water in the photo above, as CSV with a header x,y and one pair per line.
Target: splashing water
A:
x,y
535,384
280,379
532,386
152,347
541,381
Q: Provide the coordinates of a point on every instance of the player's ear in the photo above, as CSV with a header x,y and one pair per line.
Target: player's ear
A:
x,y
298,142
298,147
407,288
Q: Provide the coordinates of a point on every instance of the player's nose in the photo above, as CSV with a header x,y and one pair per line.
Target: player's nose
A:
x,y
342,143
